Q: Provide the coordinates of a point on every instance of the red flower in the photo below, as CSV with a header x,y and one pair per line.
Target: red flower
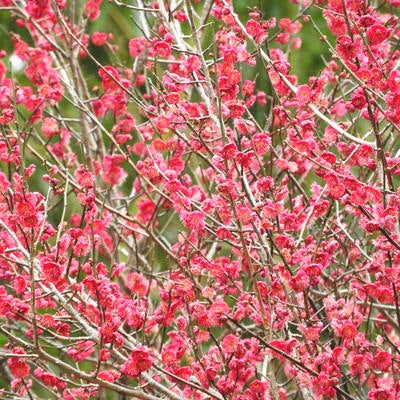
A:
x,y
81,351
162,48
20,284
377,34
18,365
193,220
92,9
381,394
108,375
261,143
137,283
113,174
230,343
382,360
51,271
253,27
348,331
139,361
99,38
50,127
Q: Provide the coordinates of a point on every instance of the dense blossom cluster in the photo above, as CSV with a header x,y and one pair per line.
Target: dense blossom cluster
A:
x,y
176,227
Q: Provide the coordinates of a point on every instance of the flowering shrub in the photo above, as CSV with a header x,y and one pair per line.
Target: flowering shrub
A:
x,y
178,227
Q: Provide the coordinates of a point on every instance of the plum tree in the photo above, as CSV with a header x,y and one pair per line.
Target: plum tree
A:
x,y
192,220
